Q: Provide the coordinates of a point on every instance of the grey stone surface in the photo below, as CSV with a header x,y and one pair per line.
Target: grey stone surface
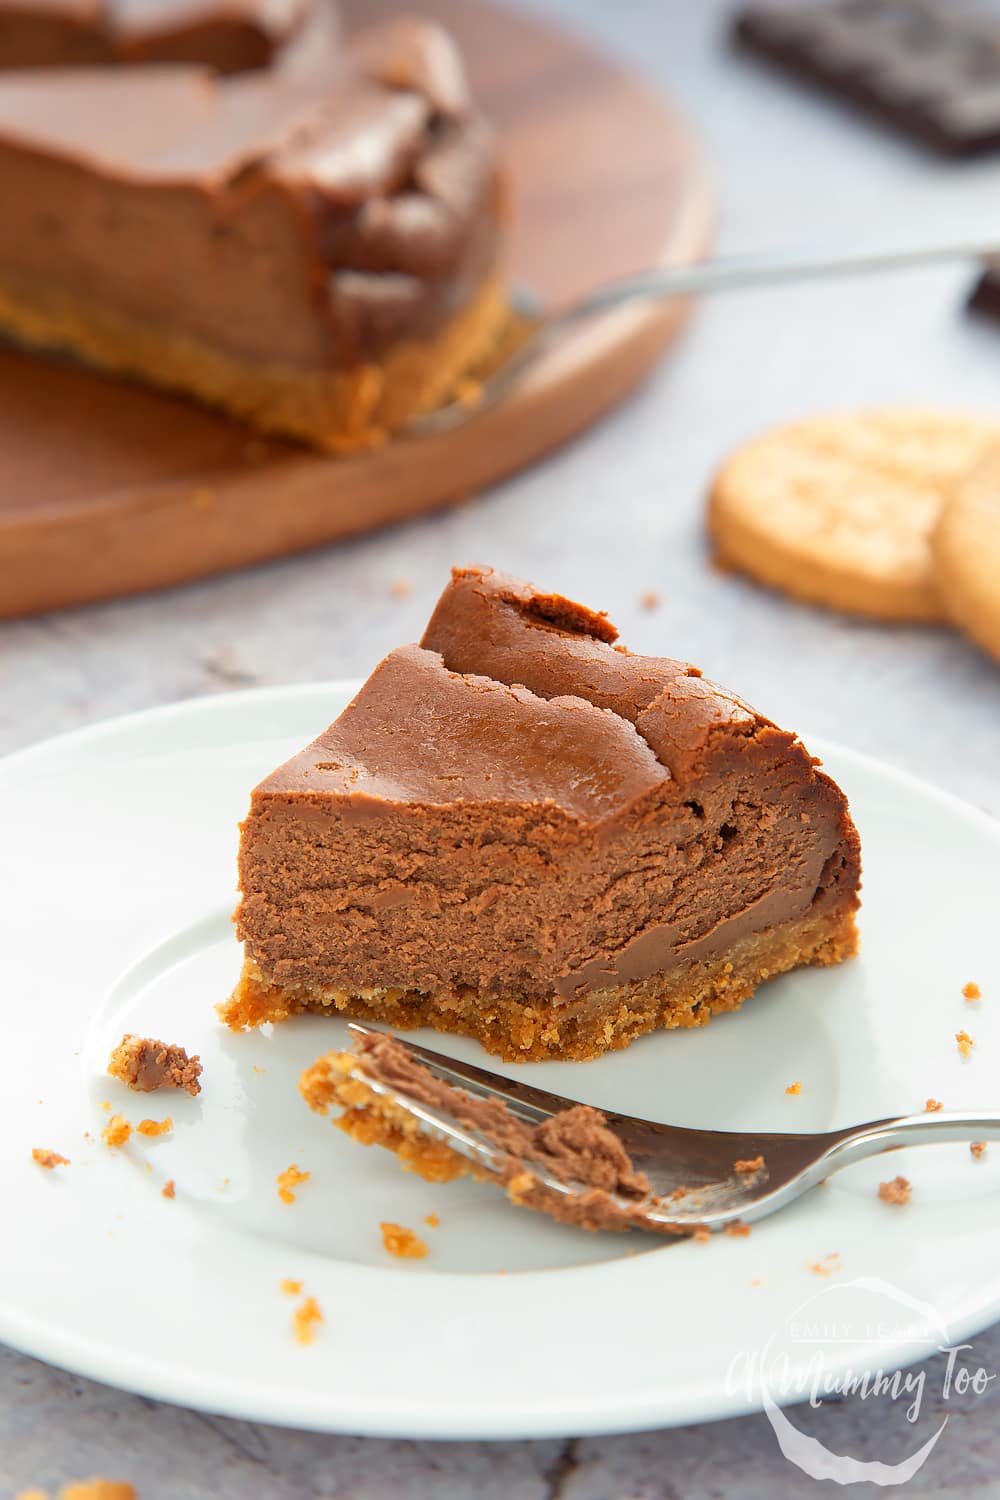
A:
x,y
614,515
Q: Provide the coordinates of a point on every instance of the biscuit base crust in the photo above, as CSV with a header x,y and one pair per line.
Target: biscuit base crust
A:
x,y
604,1020
339,410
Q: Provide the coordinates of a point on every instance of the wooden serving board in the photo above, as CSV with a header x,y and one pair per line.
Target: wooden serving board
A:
x,y
109,489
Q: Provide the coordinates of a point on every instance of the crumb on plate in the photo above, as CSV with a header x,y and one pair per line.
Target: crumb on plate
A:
x,y
48,1159
965,1043
794,1088
402,1242
978,1149
288,1180
117,1131
169,1189
155,1127
433,1221
933,1106
896,1192
650,600
144,1065
828,1265
401,588
752,1164
291,1288
971,991
305,1320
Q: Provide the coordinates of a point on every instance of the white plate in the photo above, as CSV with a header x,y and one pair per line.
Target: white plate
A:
x,y
117,867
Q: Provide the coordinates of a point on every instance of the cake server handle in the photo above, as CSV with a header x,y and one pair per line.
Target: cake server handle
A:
x,y
664,283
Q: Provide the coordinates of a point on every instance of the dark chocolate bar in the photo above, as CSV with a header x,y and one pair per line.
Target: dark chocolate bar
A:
x,y
928,67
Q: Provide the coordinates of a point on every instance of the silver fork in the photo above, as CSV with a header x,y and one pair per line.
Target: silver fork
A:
x,y
691,1172
663,283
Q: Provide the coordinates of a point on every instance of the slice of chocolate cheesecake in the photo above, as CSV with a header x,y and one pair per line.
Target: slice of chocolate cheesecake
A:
x,y
522,832
313,249
229,35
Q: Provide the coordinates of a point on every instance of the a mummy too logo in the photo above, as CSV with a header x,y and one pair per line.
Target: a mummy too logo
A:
x,y
830,1349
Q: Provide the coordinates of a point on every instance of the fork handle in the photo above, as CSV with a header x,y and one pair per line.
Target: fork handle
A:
x,y
737,272
910,1130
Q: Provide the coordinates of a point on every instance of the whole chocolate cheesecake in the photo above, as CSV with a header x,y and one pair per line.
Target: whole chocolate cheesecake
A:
x,y
230,35
522,832
314,249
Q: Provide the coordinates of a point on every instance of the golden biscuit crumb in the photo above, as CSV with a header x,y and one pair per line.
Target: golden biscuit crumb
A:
x,y
144,1064
105,1105
305,1320
896,1192
737,1230
978,1149
827,1265
933,1106
972,991
48,1159
290,1178
702,1234
433,1221
291,1288
155,1127
169,1189
753,1164
965,1043
402,1242
98,1489
794,1088
117,1131
650,600
401,588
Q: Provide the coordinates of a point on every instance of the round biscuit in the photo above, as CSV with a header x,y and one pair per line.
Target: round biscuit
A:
x,y
839,510
966,552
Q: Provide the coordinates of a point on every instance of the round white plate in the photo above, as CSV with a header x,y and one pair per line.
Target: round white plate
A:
x,y
117,871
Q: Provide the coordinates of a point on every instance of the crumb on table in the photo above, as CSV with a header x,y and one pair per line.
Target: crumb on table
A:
x,y
86,1489
933,1106
702,1234
155,1127
291,1288
978,1149
144,1064
169,1189
750,1165
965,1043
48,1159
737,1230
794,1088
291,1178
433,1221
650,599
401,588
402,1242
117,1131
305,1320
971,991
897,1191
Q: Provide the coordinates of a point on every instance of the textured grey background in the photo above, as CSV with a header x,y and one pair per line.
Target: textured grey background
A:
x,y
616,514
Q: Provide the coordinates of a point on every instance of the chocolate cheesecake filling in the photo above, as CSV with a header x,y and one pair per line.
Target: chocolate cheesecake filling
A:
x,y
309,216
519,809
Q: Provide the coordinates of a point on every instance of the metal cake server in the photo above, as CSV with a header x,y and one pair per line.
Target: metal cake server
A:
x,y
691,1171
666,282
